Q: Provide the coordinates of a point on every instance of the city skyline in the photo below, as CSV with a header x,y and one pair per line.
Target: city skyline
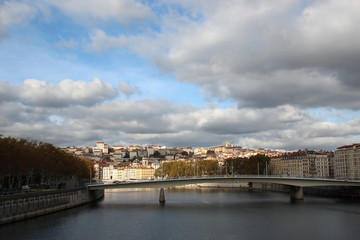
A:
x,y
281,75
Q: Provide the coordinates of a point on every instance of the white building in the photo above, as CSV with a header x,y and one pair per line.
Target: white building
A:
x,y
107,172
101,147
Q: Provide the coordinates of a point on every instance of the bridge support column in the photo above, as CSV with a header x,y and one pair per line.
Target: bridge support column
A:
x,y
162,196
250,188
296,193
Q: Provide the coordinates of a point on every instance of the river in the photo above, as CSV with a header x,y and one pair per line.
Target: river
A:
x,y
195,214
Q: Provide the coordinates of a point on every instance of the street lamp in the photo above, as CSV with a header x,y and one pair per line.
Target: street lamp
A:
x,y
266,168
90,174
232,167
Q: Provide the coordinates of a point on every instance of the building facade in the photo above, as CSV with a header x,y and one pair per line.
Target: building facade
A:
x,y
301,164
347,162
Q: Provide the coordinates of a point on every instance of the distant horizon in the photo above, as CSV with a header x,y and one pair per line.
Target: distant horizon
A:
x,y
243,147
193,147
283,75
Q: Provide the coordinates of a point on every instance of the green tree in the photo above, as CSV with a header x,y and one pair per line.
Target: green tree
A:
x,y
253,165
184,153
210,152
176,169
157,154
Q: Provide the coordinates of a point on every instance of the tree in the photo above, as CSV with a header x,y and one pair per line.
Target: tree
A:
x,y
184,153
176,169
261,161
207,167
123,164
253,165
157,154
30,162
210,152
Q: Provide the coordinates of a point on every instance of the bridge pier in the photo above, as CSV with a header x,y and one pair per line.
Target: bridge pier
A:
x,y
162,196
296,193
250,187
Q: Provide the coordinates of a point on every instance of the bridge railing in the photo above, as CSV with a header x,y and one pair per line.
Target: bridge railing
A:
x,y
250,176
232,176
238,176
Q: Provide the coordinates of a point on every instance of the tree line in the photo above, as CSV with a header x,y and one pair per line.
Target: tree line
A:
x,y
28,162
257,164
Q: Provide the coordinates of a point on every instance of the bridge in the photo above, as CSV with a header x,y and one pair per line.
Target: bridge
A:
x,y
296,184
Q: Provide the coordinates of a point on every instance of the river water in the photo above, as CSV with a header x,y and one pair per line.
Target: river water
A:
x,y
195,214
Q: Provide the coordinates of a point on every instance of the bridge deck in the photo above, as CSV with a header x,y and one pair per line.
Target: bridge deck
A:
x,y
164,183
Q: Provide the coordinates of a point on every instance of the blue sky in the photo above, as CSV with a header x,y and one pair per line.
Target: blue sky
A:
x,y
281,75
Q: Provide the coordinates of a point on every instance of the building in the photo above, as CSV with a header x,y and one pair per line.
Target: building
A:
x,y
101,147
305,163
146,173
136,173
347,162
134,148
200,151
151,149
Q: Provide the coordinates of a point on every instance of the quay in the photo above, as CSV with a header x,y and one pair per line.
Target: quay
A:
x,y
27,205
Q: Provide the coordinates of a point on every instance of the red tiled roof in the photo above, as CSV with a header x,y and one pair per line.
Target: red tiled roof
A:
x,y
349,146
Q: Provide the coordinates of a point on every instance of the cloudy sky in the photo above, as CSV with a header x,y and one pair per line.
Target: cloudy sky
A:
x,y
279,74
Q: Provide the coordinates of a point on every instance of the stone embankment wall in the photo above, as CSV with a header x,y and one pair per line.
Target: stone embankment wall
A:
x,y
22,206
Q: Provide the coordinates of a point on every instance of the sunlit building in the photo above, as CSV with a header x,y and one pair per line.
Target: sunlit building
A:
x,y
301,164
347,162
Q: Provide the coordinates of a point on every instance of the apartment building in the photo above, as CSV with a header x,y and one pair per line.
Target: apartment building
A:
x,y
301,164
133,174
347,162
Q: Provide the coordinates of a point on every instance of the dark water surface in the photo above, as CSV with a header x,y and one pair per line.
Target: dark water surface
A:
x,y
196,214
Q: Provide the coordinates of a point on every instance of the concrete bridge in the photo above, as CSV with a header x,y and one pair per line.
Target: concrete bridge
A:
x,y
296,184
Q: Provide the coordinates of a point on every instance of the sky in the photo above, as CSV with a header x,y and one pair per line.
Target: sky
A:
x,y
279,74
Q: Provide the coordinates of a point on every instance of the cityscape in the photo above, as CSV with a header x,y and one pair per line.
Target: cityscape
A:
x,y
179,119
134,163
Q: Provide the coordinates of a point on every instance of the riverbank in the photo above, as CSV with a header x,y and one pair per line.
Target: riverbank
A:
x,y
22,206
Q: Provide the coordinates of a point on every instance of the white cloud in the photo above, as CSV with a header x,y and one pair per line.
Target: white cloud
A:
x,y
94,11
145,46
7,92
162,122
274,59
11,113
101,42
14,12
267,55
256,53
127,89
67,92
233,121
